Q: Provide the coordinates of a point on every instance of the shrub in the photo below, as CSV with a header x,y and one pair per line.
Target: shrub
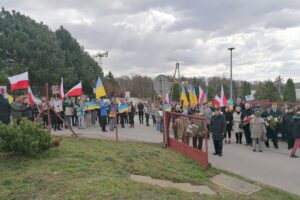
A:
x,y
28,138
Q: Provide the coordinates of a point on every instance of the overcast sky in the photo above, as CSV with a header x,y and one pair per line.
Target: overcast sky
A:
x,y
148,36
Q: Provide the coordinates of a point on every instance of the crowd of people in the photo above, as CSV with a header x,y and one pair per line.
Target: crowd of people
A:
x,y
258,124
70,112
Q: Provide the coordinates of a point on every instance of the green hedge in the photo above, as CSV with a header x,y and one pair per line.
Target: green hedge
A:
x,y
28,138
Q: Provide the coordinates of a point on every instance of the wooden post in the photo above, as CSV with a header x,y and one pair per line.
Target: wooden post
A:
x,y
116,124
48,107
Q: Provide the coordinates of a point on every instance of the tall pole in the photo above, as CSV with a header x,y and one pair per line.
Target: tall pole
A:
x,y
231,90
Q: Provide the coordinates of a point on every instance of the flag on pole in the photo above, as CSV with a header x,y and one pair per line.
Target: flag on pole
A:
x,y
19,82
100,90
221,101
192,94
61,89
75,91
32,99
206,97
223,98
201,96
183,97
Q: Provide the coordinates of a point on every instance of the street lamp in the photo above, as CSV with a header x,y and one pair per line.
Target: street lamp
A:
x,y
231,49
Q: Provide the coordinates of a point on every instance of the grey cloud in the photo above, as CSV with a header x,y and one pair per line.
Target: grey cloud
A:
x,y
199,36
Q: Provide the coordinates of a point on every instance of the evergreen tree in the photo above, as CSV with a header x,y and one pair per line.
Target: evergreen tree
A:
x,y
29,46
246,88
289,93
267,91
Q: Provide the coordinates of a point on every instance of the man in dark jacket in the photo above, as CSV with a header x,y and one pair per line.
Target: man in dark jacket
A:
x,y
296,132
141,112
246,118
4,110
287,126
218,130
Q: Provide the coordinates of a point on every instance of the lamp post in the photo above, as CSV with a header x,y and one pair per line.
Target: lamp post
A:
x,y
231,49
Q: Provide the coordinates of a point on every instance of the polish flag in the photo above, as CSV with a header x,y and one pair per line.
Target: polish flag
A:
x,y
19,81
32,99
201,96
61,89
220,101
217,101
75,91
223,98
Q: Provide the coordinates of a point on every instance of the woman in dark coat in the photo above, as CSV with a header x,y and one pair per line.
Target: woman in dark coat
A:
x,y
4,110
229,121
296,132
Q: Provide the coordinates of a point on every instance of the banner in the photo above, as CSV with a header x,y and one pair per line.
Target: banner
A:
x,y
91,106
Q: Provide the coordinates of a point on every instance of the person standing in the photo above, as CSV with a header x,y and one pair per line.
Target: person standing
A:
x,y
229,119
177,109
287,126
131,113
147,114
246,118
153,109
271,128
68,107
218,130
80,112
5,110
296,132
237,125
207,114
140,107
159,119
17,109
112,117
258,131
103,116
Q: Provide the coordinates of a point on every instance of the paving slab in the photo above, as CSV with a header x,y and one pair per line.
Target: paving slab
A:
x,y
235,185
185,187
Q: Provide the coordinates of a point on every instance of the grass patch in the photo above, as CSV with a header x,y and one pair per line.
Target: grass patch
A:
x,y
95,169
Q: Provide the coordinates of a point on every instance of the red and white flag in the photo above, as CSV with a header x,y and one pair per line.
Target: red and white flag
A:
x,y
220,101
75,91
223,98
19,81
32,99
201,96
61,89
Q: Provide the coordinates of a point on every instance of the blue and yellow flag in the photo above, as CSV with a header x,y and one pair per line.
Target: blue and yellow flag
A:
x,y
183,97
100,91
9,98
167,107
192,94
123,108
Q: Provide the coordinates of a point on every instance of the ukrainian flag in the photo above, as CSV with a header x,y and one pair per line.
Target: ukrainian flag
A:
x,y
9,98
100,91
192,94
183,97
167,108
123,108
